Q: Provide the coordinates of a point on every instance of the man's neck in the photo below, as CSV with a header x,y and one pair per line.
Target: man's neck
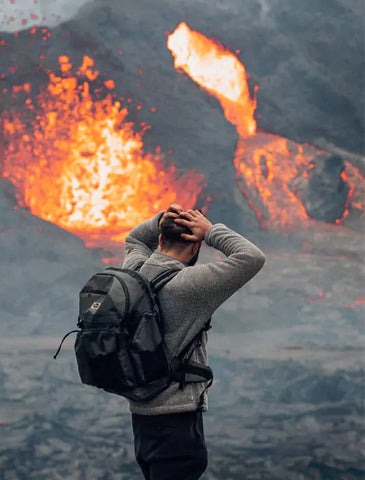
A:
x,y
177,255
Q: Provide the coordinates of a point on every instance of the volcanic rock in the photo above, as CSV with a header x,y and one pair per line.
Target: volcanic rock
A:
x,y
42,269
325,195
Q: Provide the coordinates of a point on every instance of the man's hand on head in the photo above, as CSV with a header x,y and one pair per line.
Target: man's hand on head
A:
x,y
174,207
172,211
196,222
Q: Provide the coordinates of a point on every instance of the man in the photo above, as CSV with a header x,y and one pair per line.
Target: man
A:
x,y
168,430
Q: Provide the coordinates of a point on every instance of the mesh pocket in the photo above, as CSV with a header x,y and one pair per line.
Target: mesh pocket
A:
x,y
147,350
103,360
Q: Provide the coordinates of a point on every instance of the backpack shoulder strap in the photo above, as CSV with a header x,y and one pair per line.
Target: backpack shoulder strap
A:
x,y
182,354
162,278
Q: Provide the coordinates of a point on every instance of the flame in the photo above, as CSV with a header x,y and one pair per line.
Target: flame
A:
x,y
218,71
77,162
268,167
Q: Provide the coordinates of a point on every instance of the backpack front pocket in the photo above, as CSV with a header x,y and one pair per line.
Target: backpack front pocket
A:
x,y
103,359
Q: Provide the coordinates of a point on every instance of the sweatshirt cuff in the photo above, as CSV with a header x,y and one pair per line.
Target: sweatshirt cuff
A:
x,y
208,234
158,217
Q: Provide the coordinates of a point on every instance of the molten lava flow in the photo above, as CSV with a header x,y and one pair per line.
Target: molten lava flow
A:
x,y
272,171
268,167
266,170
356,196
217,70
358,301
78,163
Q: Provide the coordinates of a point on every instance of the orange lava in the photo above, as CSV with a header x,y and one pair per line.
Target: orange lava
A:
x,y
266,170
218,71
357,302
77,162
268,167
356,196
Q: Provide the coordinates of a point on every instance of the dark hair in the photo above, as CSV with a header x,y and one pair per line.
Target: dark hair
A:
x,y
171,234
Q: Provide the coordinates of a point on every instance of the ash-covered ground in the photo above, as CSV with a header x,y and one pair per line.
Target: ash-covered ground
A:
x,y
288,397
291,414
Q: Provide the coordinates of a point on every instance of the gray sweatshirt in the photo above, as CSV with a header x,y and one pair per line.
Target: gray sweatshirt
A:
x,y
190,298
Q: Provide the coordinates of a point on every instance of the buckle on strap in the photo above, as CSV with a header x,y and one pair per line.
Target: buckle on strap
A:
x,y
184,372
197,370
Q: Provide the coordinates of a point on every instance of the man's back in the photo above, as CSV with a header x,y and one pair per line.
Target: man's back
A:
x,y
190,298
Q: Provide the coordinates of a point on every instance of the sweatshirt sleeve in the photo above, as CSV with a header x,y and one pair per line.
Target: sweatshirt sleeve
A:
x,y
211,284
141,242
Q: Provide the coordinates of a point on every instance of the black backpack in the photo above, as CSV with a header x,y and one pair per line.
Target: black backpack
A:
x,y
120,343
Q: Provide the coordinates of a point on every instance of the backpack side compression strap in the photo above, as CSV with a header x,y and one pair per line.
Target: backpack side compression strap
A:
x,y
194,372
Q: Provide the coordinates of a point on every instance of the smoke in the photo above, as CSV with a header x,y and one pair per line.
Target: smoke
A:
x,y
265,9
17,15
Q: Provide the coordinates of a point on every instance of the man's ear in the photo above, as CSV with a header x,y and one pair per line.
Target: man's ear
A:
x,y
195,247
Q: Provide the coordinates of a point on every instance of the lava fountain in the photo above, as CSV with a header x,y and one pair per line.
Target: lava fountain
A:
x,y
76,161
270,169
218,71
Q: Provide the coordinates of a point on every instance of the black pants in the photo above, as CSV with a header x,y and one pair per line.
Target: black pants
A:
x,y
170,447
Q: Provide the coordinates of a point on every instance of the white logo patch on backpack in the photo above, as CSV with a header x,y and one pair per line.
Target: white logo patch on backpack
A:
x,y
95,305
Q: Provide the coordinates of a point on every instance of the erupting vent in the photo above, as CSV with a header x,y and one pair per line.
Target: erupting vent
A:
x,y
271,171
77,162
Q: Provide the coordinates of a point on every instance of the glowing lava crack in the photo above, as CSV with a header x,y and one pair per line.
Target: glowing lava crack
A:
x,y
77,162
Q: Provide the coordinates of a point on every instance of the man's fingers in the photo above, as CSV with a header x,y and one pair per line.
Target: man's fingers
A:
x,y
187,214
191,238
193,213
174,207
198,213
182,221
166,215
